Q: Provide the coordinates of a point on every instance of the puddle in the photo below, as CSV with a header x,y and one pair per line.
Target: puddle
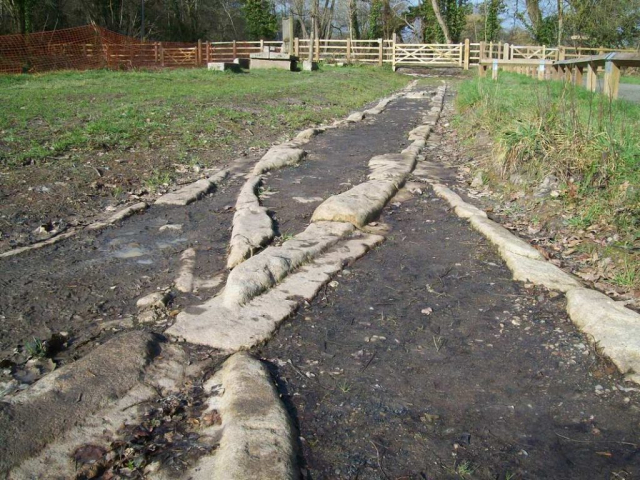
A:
x,y
170,243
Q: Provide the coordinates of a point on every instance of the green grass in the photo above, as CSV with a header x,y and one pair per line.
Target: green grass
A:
x,y
49,115
633,79
590,143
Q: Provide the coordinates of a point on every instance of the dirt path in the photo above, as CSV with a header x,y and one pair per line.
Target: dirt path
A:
x,y
421,360
425,360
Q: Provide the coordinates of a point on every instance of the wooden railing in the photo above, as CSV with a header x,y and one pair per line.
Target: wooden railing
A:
x,y
572,70
375,52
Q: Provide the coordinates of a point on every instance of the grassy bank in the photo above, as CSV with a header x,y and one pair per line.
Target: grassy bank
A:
x,y
74,143
592,147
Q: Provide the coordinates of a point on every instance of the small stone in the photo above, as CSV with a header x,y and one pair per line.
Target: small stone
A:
x,y
155,299
333,284
477,181
171,226
148,316
427,311
428,418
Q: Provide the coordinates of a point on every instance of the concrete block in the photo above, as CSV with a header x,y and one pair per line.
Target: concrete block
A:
x,y
223,66
308,66
261,63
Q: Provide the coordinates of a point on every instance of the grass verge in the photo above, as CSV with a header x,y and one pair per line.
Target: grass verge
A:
x,y
588,149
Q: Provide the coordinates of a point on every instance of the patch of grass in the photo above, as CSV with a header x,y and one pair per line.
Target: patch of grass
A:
x,y
590,143
627,275
633,79
344,386
157,180
36,348
45,115
286,236
463,469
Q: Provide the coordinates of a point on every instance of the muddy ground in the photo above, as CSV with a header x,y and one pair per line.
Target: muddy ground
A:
x,y
422,360
425,360
81,291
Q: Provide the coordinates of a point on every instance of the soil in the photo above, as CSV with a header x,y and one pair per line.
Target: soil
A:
x,y
336,161
425,360
422,360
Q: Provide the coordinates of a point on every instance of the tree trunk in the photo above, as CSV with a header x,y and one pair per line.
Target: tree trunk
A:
x,y
560,21
534,13
354,31
443,25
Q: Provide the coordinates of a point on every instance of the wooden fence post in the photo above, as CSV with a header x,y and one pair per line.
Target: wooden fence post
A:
x,y
161,48
505,52
317,49
296,46
393,52
482,47
611,79
208,51
348,50
592,77
199,53
235,50
155,52
577,80
494,70
491,49
561,53
467,53
261,46
381,52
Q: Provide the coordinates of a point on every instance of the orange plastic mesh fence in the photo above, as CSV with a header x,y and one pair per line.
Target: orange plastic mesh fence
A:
x,y
91,47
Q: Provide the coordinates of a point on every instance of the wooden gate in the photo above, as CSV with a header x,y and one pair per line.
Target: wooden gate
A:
x,y
427,55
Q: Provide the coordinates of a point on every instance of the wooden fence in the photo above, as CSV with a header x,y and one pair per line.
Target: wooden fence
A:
x,y
95,47
569,70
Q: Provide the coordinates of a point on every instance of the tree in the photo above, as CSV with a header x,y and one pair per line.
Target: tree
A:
x,y
354,26
375,20
22,13
261,21
453,13
443,25
492,23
